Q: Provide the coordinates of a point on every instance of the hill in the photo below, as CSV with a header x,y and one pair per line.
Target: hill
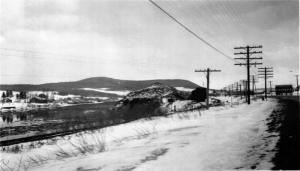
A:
x,y
76,87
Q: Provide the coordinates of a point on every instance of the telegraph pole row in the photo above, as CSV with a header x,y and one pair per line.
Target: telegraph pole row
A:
x,y
270,82
240,85
232,89
253,83
247,51
208,71
265,72
244,83
237,88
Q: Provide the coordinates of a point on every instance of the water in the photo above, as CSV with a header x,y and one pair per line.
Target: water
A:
x,y
18,124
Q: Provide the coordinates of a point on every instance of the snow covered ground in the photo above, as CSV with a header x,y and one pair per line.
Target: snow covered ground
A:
x,y
60,101
106,90
220,138
22,106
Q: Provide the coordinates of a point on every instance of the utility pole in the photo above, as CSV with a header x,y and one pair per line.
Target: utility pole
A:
x,y
229,91
244,83
253,83
232,86
248,53
246,89
265,72
208,71
237,88
241,91
270,82
297,88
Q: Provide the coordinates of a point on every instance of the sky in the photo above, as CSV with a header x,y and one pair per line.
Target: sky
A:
x,y
67,40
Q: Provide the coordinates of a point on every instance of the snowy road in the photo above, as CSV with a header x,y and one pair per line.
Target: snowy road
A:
x,y
221,138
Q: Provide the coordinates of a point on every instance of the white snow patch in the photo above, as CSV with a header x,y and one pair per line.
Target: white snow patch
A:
x,y
60,97
97,97
184,89
106,90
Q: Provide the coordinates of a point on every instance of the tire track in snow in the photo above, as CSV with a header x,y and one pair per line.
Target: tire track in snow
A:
x,y
152,156
263,150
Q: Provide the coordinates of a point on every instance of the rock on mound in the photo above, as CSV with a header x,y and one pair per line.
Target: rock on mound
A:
x,y
148,101
156,91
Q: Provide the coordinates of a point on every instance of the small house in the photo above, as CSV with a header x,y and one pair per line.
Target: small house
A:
x,y
38,100
198,95
6,100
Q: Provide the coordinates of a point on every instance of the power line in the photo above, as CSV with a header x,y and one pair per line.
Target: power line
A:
x,y
190,31
196,23
215,23
210,20
33,75
40,58
43,55
37,52
297,84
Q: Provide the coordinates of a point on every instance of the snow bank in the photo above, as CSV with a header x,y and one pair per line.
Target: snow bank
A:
x,y
106,90
60,97
221,138
234,100
97,97
184,89
182,105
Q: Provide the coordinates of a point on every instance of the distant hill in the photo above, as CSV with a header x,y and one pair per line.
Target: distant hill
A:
x,y
97,82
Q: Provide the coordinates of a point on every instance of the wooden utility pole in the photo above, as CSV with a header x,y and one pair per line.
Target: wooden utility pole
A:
x,y
208,71
270,82
237,88
241,91
265,72
248,53
244,83
297,88
253,83
229,91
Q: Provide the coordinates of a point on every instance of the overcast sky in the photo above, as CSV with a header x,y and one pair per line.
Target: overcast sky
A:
x,y
65,40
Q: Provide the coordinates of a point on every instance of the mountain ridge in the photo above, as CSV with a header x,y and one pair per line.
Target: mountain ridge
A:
x,y
74,87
